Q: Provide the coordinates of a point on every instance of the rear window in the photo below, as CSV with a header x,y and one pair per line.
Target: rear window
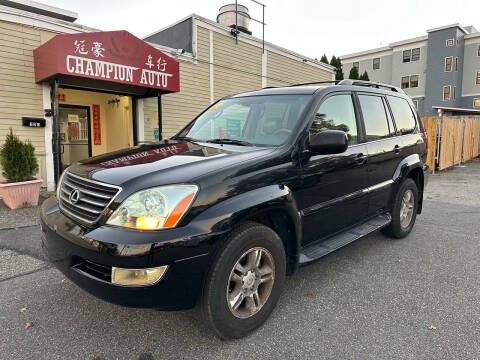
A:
x,y
402,115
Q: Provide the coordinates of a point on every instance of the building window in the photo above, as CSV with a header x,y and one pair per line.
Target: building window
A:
x,y
448,63
409,81
450,42
415,103
454,92
478,78
478,50
407,54
456,64
446,93
376,63
416,54
476,102
355,64
414,81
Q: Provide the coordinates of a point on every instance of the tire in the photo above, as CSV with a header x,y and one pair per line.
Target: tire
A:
x,y
399,229
244,244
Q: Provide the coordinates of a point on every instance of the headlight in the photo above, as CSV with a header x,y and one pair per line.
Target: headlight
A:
x,y
156,208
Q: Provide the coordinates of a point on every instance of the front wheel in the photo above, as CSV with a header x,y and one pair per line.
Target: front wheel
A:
x,y
404,210
245,282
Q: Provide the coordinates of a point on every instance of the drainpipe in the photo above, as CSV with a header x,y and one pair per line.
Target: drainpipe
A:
x,y
160,125
57,153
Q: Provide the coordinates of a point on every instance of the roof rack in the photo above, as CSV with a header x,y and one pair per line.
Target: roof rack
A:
x,y
377,85
316,82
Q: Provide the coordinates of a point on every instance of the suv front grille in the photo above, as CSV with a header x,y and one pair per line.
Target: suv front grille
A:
x,y
85,199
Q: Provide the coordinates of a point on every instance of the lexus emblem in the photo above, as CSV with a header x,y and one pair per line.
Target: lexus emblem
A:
x,y
74,196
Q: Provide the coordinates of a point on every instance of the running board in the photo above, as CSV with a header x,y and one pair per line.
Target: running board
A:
x,y
318,250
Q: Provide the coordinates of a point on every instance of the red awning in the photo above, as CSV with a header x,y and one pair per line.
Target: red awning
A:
x,y
110,57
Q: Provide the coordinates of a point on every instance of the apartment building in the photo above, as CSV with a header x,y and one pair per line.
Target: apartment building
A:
x,y
440,70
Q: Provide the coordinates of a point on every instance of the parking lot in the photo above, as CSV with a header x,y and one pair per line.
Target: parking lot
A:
x,y
416,298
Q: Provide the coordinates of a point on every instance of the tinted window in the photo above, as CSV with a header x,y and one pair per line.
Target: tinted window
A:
x,y
402,115
336,113
260,120
375,117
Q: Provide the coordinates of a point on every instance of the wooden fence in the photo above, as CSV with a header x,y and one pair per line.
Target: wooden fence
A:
x,y
457,141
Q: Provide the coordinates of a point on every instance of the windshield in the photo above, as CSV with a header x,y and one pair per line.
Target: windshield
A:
x,y
253,120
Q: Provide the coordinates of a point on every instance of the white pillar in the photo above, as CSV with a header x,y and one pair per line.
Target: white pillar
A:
x,y
50,172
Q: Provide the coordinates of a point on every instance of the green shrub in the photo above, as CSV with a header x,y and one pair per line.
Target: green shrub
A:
x,y
17,159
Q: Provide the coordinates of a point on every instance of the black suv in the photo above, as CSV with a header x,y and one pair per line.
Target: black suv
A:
x,y
257,185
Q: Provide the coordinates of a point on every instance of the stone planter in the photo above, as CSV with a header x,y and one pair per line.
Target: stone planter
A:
x,y
21,194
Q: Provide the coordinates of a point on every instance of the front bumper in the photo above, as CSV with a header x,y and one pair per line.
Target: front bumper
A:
x,y
86,256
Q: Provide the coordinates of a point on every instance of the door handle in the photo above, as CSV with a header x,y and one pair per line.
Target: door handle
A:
x,y
361,158
396,149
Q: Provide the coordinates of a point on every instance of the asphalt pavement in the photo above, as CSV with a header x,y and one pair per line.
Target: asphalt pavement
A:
x,y
415,298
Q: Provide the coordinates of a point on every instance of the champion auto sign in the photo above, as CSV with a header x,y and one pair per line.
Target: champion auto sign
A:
x,y
115,56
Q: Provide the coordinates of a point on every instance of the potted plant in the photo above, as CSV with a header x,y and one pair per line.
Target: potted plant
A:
x,y
19,165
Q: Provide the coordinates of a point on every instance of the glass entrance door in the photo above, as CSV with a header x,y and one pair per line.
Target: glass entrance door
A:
x,y
74,134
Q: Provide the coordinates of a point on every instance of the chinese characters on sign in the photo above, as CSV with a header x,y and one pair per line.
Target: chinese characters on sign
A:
x,y
97,134
155,75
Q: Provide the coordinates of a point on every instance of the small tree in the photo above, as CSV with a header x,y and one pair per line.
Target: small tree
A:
x,y
17,159
364,76
353,73
324,59
334,61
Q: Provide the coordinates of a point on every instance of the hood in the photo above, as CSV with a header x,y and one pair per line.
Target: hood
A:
x,y
168,162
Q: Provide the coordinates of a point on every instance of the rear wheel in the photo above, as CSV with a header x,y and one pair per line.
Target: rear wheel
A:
x,y
245,282
404,210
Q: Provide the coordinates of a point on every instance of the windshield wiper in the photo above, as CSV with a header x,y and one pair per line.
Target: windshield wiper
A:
x,y
229,141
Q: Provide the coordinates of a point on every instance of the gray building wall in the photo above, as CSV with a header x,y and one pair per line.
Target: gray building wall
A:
x,y
470,67
384,74
419,67
437,78
430,67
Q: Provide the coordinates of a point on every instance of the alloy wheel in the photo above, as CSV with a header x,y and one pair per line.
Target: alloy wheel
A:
x,y
250,282
406,208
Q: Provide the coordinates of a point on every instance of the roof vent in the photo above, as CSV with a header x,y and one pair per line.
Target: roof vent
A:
x,y
226,16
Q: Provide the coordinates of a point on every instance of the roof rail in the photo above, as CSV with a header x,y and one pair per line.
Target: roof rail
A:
x,y
373,84
316,82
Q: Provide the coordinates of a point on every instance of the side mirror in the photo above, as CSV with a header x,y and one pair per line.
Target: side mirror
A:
x,y
329,142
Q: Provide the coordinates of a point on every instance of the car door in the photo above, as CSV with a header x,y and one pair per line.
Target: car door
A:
x,y
384,149
332,194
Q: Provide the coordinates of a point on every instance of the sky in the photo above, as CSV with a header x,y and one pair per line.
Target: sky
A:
x,y
309,27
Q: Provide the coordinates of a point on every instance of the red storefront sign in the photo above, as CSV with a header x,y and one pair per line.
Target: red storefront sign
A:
x,y
97,133
114,56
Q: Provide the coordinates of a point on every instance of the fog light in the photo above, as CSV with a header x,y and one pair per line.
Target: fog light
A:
x,y
136,277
